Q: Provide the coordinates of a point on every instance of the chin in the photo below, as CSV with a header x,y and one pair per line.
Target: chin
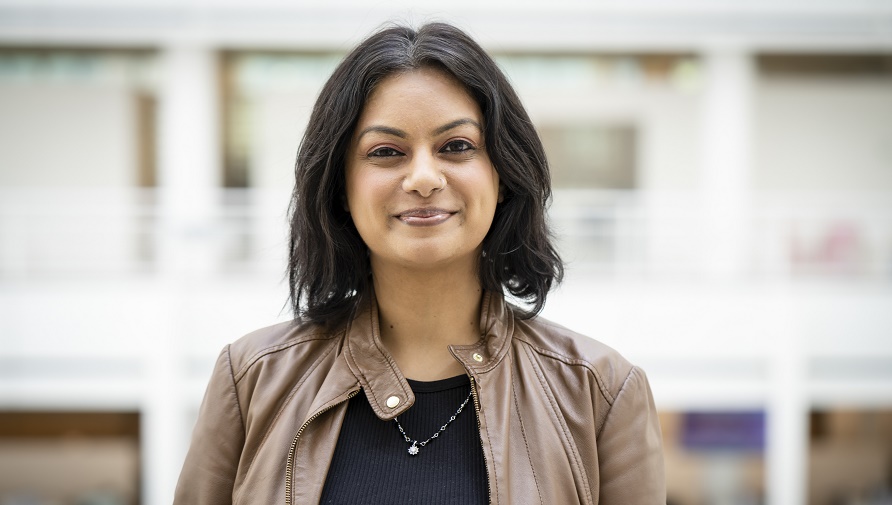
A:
x,y
432,258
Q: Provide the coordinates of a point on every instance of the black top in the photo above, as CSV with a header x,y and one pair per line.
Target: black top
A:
x,y
371,462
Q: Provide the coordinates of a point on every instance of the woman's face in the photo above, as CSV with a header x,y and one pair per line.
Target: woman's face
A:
x,y
420,187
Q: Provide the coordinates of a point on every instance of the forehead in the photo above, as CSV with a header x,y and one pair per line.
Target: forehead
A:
x,y
436,90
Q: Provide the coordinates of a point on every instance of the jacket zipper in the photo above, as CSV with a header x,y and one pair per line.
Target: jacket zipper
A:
x,y
480,433
289,466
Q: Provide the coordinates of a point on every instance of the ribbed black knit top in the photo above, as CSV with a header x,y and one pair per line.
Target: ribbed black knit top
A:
x,y
372,465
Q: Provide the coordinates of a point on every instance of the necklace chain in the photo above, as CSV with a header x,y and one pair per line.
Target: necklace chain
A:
x,y
413,449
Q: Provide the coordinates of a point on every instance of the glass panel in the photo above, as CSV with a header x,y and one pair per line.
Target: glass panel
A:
x,y
850,457
65,457
714,457
590,156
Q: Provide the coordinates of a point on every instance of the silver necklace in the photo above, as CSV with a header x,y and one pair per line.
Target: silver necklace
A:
x,y
413,449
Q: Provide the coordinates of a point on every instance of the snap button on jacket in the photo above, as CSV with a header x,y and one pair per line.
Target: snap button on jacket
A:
x,y
563,418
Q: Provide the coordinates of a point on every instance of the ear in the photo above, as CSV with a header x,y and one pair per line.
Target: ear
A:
x,y
344,203
501,197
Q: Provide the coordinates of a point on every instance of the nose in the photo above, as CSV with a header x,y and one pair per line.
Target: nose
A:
x,y
423,176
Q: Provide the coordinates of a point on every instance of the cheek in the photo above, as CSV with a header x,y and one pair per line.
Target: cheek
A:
x,y
485,189
356,191
366,198
491,182
349,185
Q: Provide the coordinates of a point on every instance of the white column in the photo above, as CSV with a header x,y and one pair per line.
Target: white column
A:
x,y
725,143
786,454
163,430
189,159
189,178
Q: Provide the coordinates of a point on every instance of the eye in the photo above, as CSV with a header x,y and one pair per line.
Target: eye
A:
x,y
384,152
457,146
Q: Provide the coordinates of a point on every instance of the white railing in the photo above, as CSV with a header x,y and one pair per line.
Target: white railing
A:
x,y
785,235
65,232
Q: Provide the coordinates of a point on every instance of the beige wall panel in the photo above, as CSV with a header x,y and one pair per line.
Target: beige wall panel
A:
x,y
823,134
67,136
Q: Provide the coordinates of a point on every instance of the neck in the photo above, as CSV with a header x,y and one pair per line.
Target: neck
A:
x,y
421,314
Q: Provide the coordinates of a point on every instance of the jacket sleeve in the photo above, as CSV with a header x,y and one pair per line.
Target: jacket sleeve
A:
x,y
209,471
630,454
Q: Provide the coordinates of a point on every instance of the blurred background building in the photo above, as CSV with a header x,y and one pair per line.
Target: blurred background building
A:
x,y
723,175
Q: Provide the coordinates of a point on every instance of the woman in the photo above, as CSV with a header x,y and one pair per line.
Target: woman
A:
x,y
420,199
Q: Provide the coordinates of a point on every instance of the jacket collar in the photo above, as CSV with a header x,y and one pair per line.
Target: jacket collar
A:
x,y
385,386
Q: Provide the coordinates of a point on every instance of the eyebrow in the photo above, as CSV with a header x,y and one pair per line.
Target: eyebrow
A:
x,y
455,124
396,132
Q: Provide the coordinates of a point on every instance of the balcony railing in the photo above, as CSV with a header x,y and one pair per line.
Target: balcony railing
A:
x,y
96,233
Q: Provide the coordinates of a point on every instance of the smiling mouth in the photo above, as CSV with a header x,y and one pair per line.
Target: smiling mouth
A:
x,y
429,216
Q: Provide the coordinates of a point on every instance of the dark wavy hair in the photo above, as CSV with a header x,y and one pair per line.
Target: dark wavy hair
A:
x,y
328,268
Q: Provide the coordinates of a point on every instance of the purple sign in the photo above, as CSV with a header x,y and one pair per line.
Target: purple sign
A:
x,y
723,430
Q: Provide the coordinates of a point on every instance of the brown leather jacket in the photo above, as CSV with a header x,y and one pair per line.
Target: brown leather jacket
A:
x,y
563,418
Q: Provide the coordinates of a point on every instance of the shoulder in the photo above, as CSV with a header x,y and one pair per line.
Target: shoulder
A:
x,y
572,353
288,338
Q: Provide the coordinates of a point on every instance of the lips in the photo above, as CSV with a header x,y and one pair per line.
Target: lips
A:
x,y
425,216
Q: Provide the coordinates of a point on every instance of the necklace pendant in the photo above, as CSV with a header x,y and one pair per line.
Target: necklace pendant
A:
x,y
413,449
